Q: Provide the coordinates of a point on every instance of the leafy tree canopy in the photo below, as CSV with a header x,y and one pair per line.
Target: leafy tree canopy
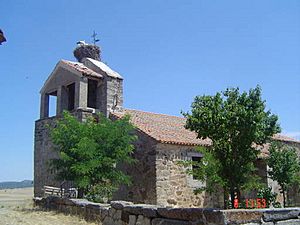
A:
x,y
235,122
89,151
284,166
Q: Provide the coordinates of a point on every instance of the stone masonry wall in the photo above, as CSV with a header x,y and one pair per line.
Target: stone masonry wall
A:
x,y
109,88
110,95
114,90
174,186
127,213
42,154
142,172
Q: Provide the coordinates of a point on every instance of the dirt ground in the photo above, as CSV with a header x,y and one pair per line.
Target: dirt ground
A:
x,y
16,208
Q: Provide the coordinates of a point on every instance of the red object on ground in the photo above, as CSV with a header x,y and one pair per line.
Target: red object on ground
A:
x,y
236,203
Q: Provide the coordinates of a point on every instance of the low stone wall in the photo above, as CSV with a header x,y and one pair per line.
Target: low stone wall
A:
x,y
127,213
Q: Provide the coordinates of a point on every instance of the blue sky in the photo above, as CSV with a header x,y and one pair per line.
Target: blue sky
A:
x,y
167,51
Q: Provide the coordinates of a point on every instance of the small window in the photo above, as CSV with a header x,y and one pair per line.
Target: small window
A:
x,y
195,166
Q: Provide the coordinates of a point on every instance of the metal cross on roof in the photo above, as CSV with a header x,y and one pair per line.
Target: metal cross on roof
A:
x,y
94,37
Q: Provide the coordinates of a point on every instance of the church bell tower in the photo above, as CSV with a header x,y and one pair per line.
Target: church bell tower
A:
x,y
83,88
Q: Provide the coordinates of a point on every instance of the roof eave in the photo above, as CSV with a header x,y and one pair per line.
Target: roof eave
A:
x,y
50,76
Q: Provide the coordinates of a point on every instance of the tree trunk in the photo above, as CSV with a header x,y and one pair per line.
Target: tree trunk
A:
x,y
225,195
232,196
238,193
239,196
283,194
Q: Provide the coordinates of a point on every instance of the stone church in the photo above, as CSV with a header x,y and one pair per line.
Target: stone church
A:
x,y
89,86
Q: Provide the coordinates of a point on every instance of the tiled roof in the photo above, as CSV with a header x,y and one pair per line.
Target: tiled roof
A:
x,y
163,128
281,137
170,129
81,68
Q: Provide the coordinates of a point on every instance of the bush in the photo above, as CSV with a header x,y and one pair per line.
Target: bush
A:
x,y
267,194
101,193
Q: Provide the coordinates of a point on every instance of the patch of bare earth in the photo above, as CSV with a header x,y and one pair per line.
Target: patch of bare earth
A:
x,y
16,208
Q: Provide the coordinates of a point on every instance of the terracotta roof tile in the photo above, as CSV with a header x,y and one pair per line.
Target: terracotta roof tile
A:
x,y
281,137
264,149
81,68
170,129
163,128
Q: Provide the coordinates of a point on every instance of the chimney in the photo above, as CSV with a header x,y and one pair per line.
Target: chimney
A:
x,y
84,50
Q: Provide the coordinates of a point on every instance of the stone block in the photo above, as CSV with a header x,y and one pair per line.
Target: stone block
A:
x,y
73,210
254,224
288,222
80,211
240,216
141,209
93,213
189,214
117,215
68,209
104,213
281,214
141,220
172,201
111,212
213,216
87,214
163,221
132,220
125,216
149,212
108,221
80,202
120,204
136,210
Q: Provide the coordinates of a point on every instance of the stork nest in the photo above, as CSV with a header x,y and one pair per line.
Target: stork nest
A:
x,y
87,51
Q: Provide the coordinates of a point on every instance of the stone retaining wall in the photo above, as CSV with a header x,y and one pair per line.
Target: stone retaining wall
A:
x,y
127,213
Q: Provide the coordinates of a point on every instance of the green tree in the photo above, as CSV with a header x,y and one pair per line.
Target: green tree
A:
x,y
284,167
234,122
89,152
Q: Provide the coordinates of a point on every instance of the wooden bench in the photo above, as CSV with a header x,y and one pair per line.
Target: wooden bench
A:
x,y
49,190
61,192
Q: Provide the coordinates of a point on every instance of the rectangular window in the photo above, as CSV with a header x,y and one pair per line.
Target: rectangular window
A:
x,y
71,96
195,166
92,93
52,103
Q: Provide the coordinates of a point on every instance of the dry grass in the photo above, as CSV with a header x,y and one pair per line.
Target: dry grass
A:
x,y
16,208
